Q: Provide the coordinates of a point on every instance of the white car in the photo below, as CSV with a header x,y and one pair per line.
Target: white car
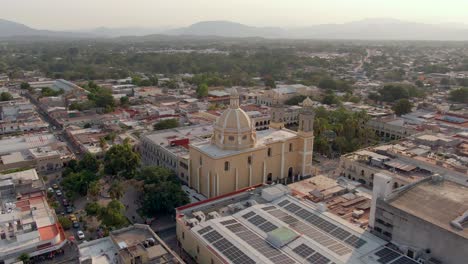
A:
x,y
80,234
51,190
58,192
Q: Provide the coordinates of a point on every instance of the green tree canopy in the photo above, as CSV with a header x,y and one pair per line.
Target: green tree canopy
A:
x,y
65,222
162,191
202,90
77,183
6,96
113,215
295,100
166,124
459,95
121,160
92,209
89,162
124,101
116,190
47,92
402,106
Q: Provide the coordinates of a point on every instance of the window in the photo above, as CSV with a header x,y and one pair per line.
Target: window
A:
x,y
183,235
201,162
244,137
198,249
226,165
249,160
290,147
269,152
231,138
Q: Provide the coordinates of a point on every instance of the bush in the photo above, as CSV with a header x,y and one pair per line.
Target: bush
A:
x,y
65,222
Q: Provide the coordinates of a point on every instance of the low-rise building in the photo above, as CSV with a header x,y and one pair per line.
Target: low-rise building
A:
x,y
426,220
129,245
27,224
266,224
169,148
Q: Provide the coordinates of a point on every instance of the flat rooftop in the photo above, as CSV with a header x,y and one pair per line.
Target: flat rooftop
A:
x,y
264,138
437,203
268,225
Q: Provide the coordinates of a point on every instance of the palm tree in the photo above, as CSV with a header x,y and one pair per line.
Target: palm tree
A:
x,y
116,190
24,257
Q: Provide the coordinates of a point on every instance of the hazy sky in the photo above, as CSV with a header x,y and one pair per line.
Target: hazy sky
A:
x,y
81,14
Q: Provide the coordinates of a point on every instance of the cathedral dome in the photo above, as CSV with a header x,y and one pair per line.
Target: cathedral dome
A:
x,y
307,102
234,129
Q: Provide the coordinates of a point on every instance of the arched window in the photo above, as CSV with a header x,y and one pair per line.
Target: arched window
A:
x,y
290,147
269,177
395,185
201,162
226,165
269,152
249,160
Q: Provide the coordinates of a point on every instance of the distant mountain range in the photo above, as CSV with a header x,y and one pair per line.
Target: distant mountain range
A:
x,y
367,29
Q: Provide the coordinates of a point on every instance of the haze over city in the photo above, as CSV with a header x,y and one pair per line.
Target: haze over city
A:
x,y
233,132
86,14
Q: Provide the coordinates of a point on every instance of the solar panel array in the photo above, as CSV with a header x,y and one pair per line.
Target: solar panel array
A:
x,y
324,225
231,252
260,222
310,255
259,244
386,255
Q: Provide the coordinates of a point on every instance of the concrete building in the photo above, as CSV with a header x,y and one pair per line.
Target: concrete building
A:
x,y
129,245
27,223
409,160
427,220
238,156
170,148
266,224
285,92
391,128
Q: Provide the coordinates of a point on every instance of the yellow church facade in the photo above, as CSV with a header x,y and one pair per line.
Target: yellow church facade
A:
x,y
237,156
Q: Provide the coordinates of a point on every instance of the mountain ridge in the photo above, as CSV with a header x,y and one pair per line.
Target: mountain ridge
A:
x,y
365,29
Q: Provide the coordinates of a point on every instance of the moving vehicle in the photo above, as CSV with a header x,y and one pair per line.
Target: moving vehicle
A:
x,y
80,234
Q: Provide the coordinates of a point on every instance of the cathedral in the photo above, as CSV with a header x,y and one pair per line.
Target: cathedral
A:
x,y
238,156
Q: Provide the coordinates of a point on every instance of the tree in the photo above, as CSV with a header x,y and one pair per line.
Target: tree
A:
x,y
330,99
65,222
202,90
25,86
459,95
295,100
47,92
269,82
121,160
166,124
24,257
77,183
90,163
124,101
162,191
92,209
419,83
94,189
116,190
6,96
402,106
113,215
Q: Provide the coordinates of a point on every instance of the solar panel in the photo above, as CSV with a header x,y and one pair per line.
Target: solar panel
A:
x,y
283,203
389,257
292,208
405,260
355,241
303,250
249,214
384,251
212,236
269,208
227,222
318,258
340,233
204,230
267,227
232,252
259,244
257,220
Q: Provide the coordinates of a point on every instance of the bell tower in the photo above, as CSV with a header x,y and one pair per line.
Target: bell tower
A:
x,y
306,136
277,113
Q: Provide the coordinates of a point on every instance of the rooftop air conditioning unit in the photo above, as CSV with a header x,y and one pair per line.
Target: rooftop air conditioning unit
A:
x,y
213,215
192,222
200,216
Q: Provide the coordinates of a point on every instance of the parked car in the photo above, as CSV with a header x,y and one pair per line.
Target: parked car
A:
x,y
50,190
76,224
69,209
65,202
80,234
73,218
55,186
58,192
